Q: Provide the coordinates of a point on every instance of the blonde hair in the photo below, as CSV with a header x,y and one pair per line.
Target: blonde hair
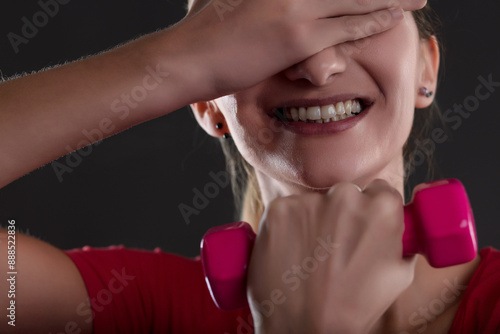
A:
x,y
244,184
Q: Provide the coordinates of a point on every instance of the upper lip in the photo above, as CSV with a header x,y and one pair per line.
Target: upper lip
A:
x,y
315,102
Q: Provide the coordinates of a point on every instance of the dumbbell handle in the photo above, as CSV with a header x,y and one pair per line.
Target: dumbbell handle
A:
x,y
438,224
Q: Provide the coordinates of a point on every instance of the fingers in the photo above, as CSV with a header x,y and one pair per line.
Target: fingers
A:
x,y
387,203
379,186
413,4
358,7
350,28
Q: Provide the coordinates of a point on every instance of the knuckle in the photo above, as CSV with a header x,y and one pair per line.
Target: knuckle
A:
x,y
389,208
386,201
345,195
380,182
345,188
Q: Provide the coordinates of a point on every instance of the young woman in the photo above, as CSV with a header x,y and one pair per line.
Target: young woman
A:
x,y
315,101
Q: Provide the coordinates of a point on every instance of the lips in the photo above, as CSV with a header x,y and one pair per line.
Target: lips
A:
x,y
321,128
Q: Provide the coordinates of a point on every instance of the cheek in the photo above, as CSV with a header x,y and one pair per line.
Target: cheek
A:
x,y
252,131
391,59
260,139
392,64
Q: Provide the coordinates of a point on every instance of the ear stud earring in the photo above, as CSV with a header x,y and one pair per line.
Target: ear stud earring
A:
x,y
424,92
225,135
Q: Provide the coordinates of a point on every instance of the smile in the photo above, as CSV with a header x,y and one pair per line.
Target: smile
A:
x,y
321,114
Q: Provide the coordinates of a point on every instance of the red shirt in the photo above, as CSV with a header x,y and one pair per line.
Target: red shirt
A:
x,y
479,310
136,291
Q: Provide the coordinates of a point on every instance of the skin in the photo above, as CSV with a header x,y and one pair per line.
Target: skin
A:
x,y
389,69
373,149
378,69
236,68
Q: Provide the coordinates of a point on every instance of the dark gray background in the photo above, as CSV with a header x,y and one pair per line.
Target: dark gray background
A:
x,y
127,191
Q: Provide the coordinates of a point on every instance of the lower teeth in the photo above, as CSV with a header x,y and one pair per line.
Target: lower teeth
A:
x,y
336,119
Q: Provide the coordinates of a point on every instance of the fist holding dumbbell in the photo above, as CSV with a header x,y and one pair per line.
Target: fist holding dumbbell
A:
x,y
335,255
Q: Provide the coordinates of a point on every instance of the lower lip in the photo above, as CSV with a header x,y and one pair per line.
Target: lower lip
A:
x,y
311,129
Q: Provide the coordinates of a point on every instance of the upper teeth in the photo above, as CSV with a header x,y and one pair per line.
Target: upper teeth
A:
x,y
324,114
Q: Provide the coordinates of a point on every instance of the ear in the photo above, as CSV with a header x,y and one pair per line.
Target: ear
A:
x,y
428,70
208,115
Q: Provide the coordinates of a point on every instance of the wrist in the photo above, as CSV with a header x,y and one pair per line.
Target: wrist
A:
x,y
174,51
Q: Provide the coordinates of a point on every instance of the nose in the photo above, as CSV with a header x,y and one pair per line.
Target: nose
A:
x,y
320,68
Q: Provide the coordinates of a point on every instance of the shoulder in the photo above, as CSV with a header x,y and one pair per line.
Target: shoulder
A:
x,y
479,310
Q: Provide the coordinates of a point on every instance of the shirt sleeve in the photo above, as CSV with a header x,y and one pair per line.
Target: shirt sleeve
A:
x,y
479,310
137,291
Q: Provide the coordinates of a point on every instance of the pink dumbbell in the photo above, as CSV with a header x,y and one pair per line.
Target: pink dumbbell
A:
x,y
438,224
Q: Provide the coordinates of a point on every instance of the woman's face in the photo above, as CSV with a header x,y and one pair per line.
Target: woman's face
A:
x,y
384,70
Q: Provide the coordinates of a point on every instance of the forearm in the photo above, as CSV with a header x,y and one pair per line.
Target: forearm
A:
x,y
51,113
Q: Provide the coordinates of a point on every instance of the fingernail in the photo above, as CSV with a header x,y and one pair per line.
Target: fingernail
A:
x,y
396,12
